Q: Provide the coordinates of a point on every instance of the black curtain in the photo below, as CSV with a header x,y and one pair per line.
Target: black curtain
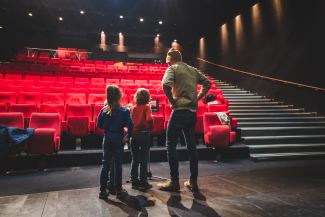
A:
x,y
99,54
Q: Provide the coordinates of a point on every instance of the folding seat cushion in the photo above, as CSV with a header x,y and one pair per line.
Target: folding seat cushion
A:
x,y
31,60
47,78
201,109
16,89
62,68
119,77
88,69
30,98
98,62
133,71
131,77
3,107
49,74
75,68
75,99
88,62
128,92
98,132
40,90
216,134
127,82
79,118
158,119
6,82
154,82
152,91
55,61
46,137
31,73
62,90
81,85
97,91
76,74
26,109
64,84
8,97
109,63
14,120
59,109
218,108
65,79
26,83
43,60
168,111
97,69
13,77
46,84
162,99
97,80
147,86
96,99
81,80
112,81
103,86
131,86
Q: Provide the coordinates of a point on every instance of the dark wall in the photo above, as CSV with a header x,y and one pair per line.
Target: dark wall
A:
x,y
275,38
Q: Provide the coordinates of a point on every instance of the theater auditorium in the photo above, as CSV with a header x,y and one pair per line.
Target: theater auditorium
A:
x,y
259,128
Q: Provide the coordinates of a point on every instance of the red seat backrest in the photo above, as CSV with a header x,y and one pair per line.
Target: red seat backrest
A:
x,y
47,108
77,90
147,86
210,119
79,111
12,120
140,82
81,85
45,84
130,91
57,90
127,82
32,78
64,84
8,97
97,99
13,77
97,109
97,91
103,86
217,108
26,109
75,98
97,80
47,78
112,81
162,99
152,91
3,107
30,98
155,82
40,90
109,62
53,98
46,120
201,109
65,79
81,80
5,82
99,62
131,86
26,83
16,89
88,62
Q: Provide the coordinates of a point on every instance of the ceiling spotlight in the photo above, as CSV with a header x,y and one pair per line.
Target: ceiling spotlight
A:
x,y
175,40
141,19
158,35
30,14
1,27
60,18
120,33
102,32
160,22
82,12
121,17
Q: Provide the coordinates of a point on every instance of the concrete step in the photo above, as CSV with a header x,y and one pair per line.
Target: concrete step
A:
x,y
254,115
281,124
267,110
232,90
249,100
288,139
244,97
292,155
280,119
244,107
238,95
283,148
254,103
225,87
282,131
224,92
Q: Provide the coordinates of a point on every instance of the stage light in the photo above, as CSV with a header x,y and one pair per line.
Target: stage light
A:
x,y
121,17
158,35
175,40
82,12
0,27
102,32
120,33
160,22
30,14
141,19
60,18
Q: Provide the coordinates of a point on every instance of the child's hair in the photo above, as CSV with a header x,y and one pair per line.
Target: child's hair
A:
x,y
114,98
142,96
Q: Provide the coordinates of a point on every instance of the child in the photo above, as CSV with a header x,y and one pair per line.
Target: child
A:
x,y
143,124
113,118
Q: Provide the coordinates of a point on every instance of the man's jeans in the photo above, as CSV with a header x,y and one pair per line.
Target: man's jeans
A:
x,y
113,148
182,120
140,140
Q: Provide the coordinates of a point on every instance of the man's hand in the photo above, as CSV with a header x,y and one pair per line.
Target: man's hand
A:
x,y
125,140
175,100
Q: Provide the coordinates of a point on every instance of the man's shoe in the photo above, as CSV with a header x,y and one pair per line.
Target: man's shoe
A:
x,y
192,185
144,185
121,194
135,184
111,190
103,195
169,185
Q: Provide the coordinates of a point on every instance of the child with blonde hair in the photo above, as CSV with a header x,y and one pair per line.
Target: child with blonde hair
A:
x,y
113,118
140,142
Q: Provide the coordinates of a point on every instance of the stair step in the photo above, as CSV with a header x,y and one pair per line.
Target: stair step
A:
x,y
235,92
259,107
238,95
281,131
224,87
232,90
288,139
279,119
245,97
248,100
282,148
267,110
274,124
253,115
292,155
254,103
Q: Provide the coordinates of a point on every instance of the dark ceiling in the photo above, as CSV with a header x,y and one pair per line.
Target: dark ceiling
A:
x,y
184,20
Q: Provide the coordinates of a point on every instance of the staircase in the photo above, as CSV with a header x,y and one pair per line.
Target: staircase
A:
x,y
273,130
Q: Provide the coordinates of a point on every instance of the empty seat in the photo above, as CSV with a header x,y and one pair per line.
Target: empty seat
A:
x,y
97,80
75,98
15,89
103,86
40,90
109,63
75,68
148,64
59,109
62,68
77,62
4,83
127,82
216,134
96,99
78,90
49,74
158,119
72,55
55,61
98,62
201,109
79,118
96,90
88,69
131,86
88,62
112,81
143,77
8,97
139,82
26,109
154,82
89,65
46,138
62,53
45,84
62,90
97,69
65,79
31,59
32,73
43,60
26,83
81,80
3,107
76,74
64,84
47,78
13,77
162,99
81,85
53,98
218,108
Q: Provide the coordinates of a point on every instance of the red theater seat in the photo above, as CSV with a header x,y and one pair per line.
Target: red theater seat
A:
x,y
154,82
147,86
108,63
78,90
119,77
81,80
59,109
47,78
148,64
97,80
53,98
218,108
79,119
131,99
8,97
97,91
103,86
31,59
140,82
131,77
98,62
72,55
90,74
13,77
102,70
98,132
139,64
49,74
62,68
128,92
76,74
88,62
66,79
16,89
5,82
127,82
64,84
201,109
30,98
90,66
55,61
26,109
96,99
46,138
112,81
32,73
40,90
46,84
216,134
75,99
125,100
81,85
152,91
43,60
168,111
158,119
32,67
3,107
75,68
26,83
165,65
62,90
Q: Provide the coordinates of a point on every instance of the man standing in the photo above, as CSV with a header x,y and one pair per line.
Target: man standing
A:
x,y
180,87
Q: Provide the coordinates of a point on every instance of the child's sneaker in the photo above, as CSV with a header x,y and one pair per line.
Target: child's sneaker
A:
x,y
103,195
111,189
135,184
121,194
144,185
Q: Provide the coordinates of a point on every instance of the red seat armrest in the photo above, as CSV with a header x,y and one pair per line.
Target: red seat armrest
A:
x,y
64,126
92,126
